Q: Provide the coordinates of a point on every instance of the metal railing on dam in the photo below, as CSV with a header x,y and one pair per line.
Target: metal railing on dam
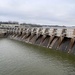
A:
x,y
58,38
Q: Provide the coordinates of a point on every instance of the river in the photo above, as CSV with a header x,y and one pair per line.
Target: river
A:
x,y
18,58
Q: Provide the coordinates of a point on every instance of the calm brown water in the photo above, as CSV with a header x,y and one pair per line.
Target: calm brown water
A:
x,y
18,58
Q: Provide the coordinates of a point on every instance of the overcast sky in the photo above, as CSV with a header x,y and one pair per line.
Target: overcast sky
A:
x,y
58,12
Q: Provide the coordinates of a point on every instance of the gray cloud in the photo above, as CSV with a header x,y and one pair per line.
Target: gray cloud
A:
x,y
61,12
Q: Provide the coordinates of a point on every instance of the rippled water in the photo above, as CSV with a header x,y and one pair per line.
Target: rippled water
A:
x,y
18,58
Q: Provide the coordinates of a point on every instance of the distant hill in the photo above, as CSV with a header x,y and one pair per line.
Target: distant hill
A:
x,y
29,24
9,22
36,25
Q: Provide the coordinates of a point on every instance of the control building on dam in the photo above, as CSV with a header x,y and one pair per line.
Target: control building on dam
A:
x,y
57,38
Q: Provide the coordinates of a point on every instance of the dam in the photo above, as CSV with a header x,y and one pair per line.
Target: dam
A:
x,y
57,38
37,51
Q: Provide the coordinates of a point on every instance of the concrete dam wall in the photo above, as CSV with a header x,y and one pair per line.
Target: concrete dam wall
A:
x,y
57,38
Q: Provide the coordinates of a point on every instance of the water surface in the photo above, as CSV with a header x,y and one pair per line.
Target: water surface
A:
x,y
18,58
